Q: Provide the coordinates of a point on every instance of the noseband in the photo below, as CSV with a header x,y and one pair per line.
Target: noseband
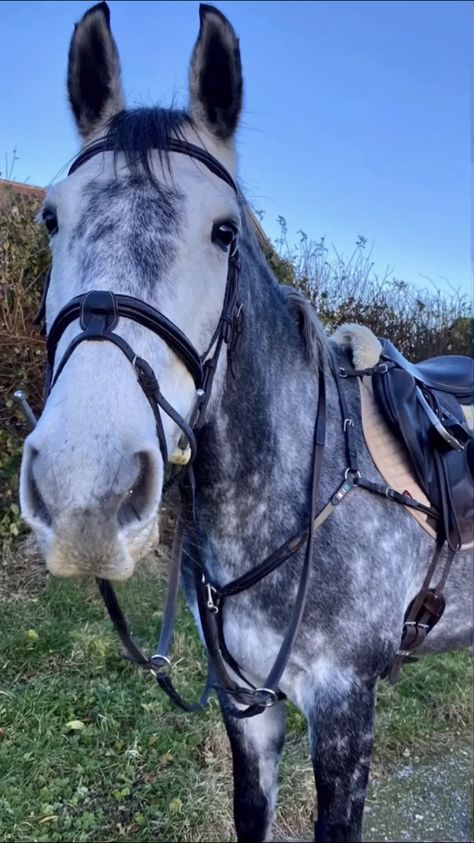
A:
x,y
99,311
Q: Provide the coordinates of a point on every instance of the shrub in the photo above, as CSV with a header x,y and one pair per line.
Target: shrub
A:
x,y
24,256
422,323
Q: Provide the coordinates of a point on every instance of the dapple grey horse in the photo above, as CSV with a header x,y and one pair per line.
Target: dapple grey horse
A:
x,y
142,220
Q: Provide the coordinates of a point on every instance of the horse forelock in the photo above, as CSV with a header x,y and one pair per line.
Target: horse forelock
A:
x,y
138,132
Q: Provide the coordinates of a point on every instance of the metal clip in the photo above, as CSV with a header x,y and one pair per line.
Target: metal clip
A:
x,y
210,590
356,475
348,423
180,456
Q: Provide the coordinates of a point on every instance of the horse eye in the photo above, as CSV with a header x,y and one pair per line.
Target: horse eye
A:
x,y
224,234
50,220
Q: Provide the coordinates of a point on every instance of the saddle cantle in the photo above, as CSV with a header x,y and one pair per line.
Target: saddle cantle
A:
x,y
452,373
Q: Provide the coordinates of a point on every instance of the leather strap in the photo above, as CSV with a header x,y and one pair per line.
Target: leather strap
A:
x,y
130,308
256,699
424,612
268,694
99,313
159,662
172,145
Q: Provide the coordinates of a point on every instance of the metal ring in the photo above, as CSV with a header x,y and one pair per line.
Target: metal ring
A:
x,y
165,664
270,694
355,474
163,658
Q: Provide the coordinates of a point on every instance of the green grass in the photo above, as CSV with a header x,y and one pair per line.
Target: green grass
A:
x,y
91,750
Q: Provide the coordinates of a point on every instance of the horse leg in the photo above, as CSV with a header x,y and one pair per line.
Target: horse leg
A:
x,y
256,746
341,729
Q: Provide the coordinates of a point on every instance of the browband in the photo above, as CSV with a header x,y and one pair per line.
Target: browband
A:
x,y
172,145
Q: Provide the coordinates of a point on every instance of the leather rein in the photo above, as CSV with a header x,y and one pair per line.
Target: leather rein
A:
x,y
99,312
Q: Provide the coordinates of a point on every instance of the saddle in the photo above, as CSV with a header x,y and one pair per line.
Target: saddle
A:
x,y
414,419
422,404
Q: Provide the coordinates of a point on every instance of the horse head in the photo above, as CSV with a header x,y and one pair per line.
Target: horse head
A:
x,y
142,221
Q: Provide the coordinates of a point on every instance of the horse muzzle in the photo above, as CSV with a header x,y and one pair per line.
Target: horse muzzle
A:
x,y
100,519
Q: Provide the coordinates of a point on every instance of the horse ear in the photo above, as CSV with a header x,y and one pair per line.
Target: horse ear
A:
x,y
215,75
93,78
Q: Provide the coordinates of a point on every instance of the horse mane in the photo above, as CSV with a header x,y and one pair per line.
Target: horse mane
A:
x,y
301,309
311,329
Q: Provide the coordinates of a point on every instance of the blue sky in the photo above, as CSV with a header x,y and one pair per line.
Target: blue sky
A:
x,y
356,120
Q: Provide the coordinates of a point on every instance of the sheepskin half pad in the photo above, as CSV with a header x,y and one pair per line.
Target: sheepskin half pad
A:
x,y
387,452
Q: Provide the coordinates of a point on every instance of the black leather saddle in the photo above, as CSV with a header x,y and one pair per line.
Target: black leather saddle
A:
x,y
451,373
422,404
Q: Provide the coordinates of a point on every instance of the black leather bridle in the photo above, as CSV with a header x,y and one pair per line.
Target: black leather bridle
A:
x,y
98,312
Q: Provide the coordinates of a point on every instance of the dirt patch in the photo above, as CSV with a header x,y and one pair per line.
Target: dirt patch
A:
x,y
23,574
428,801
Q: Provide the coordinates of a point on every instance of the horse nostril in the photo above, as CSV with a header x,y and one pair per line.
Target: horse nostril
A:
x,y
139,496
34,500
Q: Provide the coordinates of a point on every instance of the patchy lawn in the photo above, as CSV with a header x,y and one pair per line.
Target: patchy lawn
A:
x,y
91,750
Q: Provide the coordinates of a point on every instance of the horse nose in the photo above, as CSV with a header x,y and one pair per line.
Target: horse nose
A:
x,y
127,498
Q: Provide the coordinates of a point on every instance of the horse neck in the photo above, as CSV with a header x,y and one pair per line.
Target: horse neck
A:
x,y
255,453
